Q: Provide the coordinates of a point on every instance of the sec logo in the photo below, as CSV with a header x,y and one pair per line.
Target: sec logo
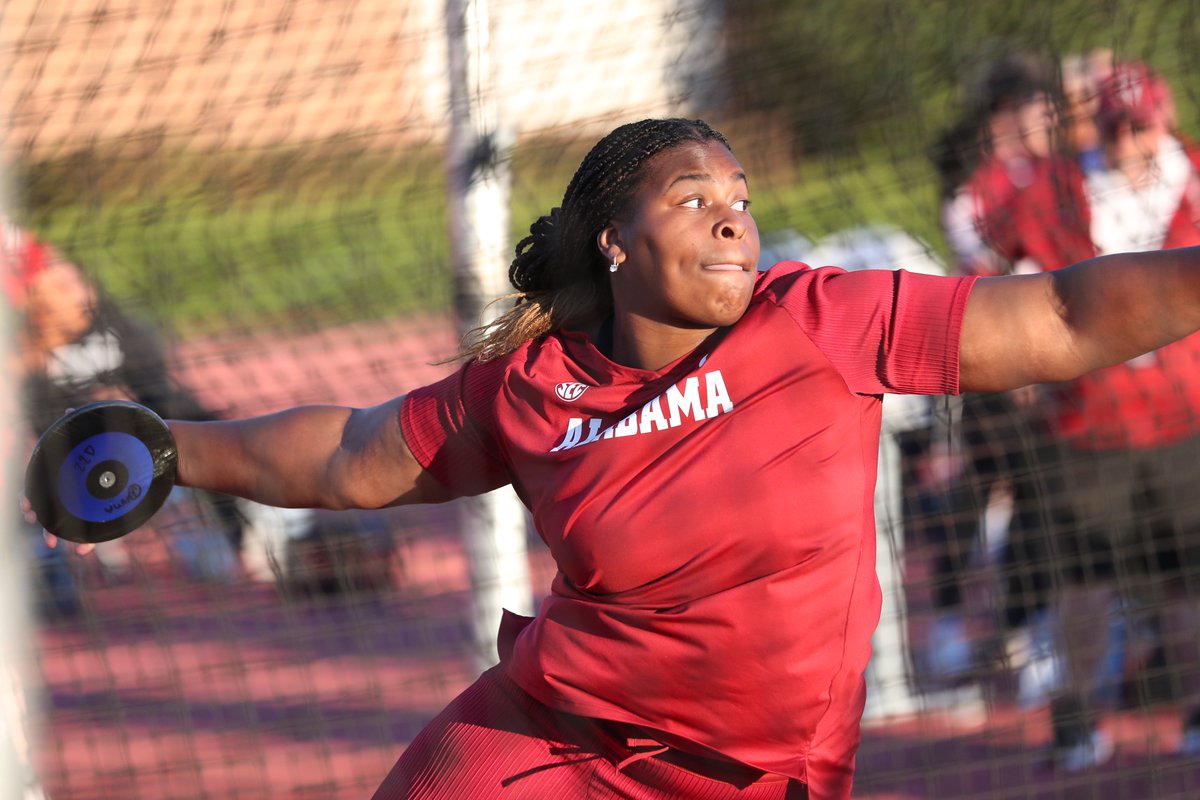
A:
x,y
570,392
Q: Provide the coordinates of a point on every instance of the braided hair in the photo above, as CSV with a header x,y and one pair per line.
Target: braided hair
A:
x,y
560,275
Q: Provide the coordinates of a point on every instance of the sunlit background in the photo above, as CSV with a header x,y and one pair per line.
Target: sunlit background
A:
x,y
307,201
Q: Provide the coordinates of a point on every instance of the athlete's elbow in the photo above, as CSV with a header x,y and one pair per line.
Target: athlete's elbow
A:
x,y
351,483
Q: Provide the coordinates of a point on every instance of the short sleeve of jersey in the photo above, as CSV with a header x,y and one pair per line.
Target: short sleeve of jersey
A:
x,y
885,331
449,427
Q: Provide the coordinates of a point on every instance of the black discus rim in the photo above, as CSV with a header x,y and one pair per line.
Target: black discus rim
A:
x,y
56,444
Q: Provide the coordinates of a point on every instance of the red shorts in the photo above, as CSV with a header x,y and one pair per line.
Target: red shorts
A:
x,y
495,741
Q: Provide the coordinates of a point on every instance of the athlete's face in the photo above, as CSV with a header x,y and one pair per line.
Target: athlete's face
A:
x,y
687,246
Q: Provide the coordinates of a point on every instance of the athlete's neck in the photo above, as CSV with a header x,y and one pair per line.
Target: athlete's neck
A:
x,y
647,344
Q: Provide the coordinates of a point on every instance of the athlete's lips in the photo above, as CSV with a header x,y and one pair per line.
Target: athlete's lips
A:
x,y
724,267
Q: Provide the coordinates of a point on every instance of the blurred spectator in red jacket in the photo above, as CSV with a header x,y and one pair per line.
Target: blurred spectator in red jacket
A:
x,y
1129,515
1004,145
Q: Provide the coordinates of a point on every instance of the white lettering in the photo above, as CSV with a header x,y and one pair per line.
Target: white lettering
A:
x,y
593,430
574,434
682,402
718,395
652,414
627,426
685,403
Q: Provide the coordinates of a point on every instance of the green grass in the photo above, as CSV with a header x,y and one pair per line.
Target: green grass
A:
x,y
832,195
238,242
257,241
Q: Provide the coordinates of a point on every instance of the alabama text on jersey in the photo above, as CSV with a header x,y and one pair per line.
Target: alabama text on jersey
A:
x,y
668,410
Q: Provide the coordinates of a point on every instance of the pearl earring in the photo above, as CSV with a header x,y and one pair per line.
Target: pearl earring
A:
x,y
613,266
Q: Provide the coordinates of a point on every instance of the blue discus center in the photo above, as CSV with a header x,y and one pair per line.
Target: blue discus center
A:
x,y
73,474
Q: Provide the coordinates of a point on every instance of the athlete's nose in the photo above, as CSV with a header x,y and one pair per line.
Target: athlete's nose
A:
x,y
730,225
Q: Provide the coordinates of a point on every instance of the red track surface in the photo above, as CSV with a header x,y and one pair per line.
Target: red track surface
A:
x,y
170,689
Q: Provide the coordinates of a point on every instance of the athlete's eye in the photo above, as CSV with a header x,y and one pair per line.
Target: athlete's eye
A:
x,y
742,205
695,202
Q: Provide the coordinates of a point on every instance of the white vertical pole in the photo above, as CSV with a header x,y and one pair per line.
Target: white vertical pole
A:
x,y
889,675
19,705
494,525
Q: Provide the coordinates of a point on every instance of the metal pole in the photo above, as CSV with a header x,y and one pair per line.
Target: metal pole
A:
x,y
494,525
20,702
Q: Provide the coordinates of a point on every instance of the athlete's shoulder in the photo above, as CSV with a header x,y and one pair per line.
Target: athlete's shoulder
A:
x,y
491,380
540,347
790,277
781,270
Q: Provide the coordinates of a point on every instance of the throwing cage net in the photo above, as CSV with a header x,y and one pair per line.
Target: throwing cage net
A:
x,y
226,209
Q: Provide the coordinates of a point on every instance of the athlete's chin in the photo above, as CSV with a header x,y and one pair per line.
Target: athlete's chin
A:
x,y
716,309
729,307
723,316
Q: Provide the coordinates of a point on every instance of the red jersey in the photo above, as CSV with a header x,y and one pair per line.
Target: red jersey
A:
x,y
712,521
1043,220
1148,402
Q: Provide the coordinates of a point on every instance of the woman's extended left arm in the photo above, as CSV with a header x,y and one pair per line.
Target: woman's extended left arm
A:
x,y
1058,325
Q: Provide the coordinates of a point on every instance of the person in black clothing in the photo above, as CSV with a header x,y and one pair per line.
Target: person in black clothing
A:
x,y
78,346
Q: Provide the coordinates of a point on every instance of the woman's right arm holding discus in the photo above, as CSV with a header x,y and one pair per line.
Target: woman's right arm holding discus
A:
x,y
307,457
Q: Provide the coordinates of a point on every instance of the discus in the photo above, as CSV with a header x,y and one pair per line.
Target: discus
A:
x,y
101,471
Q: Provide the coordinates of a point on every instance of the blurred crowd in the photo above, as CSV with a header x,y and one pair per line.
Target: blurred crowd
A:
x,y
75,345
1079,498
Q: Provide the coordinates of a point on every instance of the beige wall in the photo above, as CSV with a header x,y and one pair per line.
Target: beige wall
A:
x,y
207,72
240,73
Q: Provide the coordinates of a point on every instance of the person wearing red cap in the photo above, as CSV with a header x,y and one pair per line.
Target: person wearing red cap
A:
x,y
1130,433
77,345
22,257
23,260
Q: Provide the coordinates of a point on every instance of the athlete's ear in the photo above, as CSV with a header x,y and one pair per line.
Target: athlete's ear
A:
x,y
609,242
